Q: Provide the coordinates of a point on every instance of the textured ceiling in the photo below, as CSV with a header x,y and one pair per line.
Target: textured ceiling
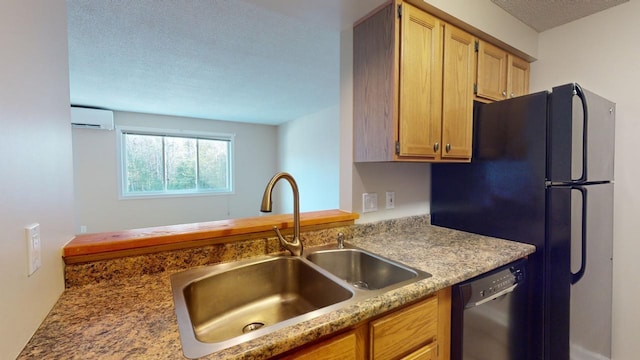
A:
x,y
543,15
262,61
259,61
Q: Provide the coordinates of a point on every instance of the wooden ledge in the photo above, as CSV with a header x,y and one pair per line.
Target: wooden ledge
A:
x,y
87,247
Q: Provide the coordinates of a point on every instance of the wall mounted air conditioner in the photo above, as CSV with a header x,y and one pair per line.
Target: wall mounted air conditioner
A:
x,y
88,118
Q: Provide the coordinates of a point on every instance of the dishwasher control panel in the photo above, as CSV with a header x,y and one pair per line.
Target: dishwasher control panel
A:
x,y
493,283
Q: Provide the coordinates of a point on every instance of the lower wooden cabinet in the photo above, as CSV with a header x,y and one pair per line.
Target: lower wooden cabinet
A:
x,y
420,331
404,330
340,347
429,352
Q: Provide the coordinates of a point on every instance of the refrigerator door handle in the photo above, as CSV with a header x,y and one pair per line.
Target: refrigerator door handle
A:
x,y
583,99
575,277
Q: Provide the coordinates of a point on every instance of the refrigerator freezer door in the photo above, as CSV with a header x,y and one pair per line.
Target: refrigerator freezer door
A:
x,y
581,140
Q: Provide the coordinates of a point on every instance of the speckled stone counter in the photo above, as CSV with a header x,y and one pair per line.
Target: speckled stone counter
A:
x,y
133,317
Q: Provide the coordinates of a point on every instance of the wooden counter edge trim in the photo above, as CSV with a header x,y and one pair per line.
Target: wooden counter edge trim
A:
x,y
175,237
85,258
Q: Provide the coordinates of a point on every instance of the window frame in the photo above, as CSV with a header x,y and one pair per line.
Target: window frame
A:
x,y
121,132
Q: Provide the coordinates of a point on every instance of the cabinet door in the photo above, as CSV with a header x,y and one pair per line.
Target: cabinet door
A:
x,y
341,347
492,72
518,76
429,352
457,101
420,83
404,330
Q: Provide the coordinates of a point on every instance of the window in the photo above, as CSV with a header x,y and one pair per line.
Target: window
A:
x,y
158,163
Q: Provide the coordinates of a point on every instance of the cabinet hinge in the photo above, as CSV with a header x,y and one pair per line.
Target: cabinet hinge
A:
x,y
397,147
476,46
475,89
399,11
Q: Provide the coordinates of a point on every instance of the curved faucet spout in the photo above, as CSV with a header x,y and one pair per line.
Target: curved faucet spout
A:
x,y
294,246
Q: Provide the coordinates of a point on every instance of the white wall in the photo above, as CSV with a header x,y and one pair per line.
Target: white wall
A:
x,y
493,20
600,52
410,182
346,120
36,182
308,148
99,208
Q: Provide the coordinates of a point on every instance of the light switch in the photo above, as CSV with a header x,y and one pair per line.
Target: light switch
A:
x,y
369,202
391,200
34,247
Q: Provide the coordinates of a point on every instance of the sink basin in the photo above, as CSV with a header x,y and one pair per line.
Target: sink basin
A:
x,y
364,270
222,305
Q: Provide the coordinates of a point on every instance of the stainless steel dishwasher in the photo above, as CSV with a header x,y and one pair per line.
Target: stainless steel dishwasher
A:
x,y
489,315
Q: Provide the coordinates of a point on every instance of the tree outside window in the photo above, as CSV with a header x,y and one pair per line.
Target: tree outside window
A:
x,y
157,164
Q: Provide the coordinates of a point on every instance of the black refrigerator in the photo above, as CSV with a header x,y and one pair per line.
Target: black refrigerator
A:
x,y
542,173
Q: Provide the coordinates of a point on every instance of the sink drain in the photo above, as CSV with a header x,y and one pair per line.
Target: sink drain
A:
x,y
360,285
251,327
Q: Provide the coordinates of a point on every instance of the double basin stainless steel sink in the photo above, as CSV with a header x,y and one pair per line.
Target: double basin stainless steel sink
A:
x,y
223,305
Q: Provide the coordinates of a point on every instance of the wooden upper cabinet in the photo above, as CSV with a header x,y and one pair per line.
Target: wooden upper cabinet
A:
x,y
375,62
518,76
500,75
492,72
420,83
413,87
457,100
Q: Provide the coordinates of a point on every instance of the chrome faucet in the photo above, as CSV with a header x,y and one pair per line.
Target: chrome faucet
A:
x,y
294,246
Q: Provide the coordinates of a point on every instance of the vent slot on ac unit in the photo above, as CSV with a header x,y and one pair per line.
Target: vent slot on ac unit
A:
x,y
89,118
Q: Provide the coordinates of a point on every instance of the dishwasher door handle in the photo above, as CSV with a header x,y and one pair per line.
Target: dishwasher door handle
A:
x,y
494,296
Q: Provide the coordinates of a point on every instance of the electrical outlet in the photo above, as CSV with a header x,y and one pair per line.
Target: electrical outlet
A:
x,y
34,247
369,202
391,199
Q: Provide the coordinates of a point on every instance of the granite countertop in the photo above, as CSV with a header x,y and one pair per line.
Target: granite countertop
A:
x,y
134,318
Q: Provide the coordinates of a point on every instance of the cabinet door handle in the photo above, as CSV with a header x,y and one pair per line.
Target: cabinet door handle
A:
x,y
504,93
436,147
513,95
448,147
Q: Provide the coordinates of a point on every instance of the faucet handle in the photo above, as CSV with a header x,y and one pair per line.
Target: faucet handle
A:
x,y
340,241
294,246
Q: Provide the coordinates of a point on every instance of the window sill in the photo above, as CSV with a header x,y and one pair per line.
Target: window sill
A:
x,y
110,245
